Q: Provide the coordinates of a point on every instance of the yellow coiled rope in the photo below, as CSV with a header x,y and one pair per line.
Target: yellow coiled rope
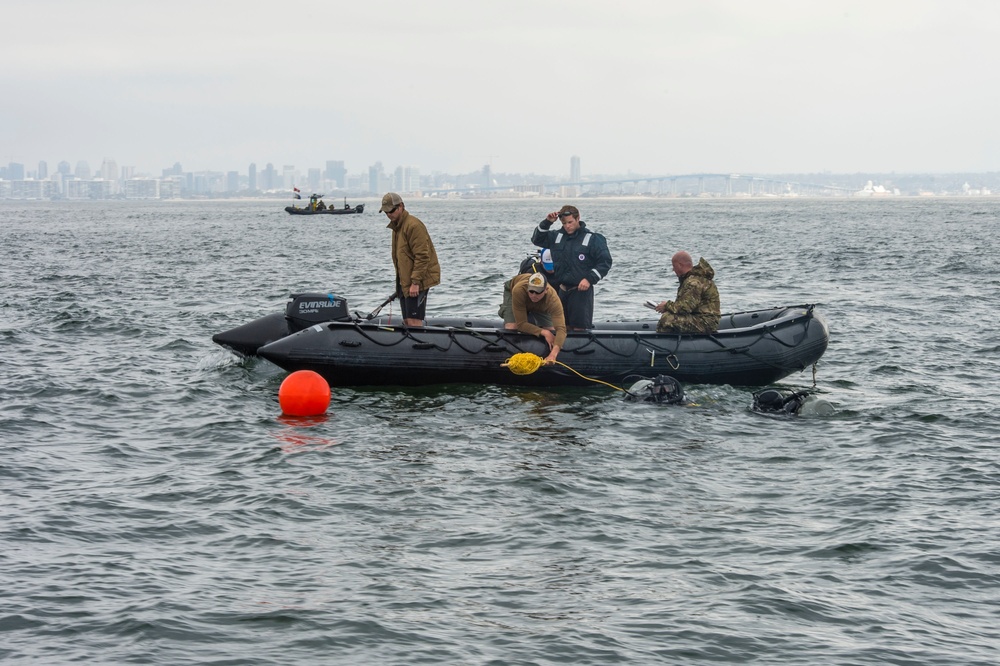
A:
x,y
526,363
523,364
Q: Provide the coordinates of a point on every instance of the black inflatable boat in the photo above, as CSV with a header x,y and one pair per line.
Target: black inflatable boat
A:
x,y
316,332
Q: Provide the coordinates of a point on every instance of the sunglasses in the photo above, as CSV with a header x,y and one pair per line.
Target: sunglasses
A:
x,y
394,209
565,214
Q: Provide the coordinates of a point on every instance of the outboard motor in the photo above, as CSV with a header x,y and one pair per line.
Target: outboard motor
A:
x,y
304,310
662,389
791,403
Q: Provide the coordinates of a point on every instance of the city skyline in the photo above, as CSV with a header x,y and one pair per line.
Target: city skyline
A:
x,y
111,181
339,171
767,87
334,170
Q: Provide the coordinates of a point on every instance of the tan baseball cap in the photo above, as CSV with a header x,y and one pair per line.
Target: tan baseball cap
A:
x,y
536,283
389,202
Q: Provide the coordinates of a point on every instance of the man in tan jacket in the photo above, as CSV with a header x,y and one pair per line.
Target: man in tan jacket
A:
x,y
413,256
531,294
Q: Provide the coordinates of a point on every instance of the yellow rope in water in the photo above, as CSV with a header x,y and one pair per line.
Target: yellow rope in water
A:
x,y
526,363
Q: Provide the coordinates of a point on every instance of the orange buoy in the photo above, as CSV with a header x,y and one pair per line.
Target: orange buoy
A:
x,y
304,393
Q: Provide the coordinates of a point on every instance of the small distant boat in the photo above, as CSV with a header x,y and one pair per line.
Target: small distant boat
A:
x,y
317,207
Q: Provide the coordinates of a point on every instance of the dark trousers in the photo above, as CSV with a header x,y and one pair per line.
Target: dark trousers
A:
x,y
578,307
415,307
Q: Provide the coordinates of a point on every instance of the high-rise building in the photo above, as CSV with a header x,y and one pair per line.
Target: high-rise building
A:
x,y
289,178
175,170
376,177
574,169
314,176
233,181
267,177
15,171
406,179
141,188
109,172
336,172
64,168
43,170
252,177
82,170
109,169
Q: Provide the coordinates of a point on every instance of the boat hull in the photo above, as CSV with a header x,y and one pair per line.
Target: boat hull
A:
x,y
292,210
751,349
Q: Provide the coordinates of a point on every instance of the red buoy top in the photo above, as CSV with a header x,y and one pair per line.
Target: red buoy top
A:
x,y
304,393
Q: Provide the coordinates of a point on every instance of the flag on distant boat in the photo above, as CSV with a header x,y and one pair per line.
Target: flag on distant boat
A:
x,y
296,195
295,188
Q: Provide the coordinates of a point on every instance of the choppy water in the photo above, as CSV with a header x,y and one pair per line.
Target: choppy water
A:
x,y
157,509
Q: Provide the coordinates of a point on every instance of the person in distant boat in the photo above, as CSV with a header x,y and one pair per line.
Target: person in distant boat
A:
x,y
535,309
414,258
581,259
696,308
320,205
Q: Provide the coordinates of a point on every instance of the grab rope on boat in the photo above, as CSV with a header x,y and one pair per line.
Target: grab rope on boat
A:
x,y
527,363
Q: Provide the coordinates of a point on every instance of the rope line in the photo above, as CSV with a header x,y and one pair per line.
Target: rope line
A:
x,y
527,363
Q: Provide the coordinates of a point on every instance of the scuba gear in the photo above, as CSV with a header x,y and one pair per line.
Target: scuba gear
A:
x,y
786,401
662,389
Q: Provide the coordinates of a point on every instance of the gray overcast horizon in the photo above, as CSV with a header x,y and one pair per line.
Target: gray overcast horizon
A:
x,y
648,86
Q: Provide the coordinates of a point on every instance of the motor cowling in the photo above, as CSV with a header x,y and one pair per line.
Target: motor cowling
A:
x,y
304,310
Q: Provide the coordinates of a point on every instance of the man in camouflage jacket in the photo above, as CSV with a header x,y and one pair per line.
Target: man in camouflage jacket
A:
x,y
696,309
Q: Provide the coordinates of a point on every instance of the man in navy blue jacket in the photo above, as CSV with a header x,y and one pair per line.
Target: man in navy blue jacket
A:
x,y
581,259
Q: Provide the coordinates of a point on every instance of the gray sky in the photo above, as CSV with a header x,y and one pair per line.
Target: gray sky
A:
x,y
651,86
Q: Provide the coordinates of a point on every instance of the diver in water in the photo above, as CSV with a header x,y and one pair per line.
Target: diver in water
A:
x,y
662,389
791,403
